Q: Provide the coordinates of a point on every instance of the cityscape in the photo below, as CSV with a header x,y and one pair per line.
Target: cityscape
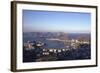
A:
x,y
56,36
48,46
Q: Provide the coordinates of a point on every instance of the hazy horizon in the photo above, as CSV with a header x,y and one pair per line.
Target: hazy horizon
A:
x,y
52,21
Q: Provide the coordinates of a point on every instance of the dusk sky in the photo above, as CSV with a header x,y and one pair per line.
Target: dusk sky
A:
x,y
52,21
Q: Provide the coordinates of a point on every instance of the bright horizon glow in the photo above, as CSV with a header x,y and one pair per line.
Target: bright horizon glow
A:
x,y
52,21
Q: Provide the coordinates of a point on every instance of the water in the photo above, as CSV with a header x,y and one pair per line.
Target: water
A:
x,y
84,52
49,43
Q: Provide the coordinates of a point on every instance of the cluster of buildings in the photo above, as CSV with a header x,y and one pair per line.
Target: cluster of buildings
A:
x,y
54,50
70,44
32,45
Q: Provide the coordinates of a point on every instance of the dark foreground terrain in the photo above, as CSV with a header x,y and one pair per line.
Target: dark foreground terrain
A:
x,y
36,55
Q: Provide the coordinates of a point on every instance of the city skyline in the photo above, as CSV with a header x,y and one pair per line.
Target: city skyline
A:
x,y
53,21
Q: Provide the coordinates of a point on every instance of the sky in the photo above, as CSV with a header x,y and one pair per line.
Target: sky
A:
x,y
54,21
